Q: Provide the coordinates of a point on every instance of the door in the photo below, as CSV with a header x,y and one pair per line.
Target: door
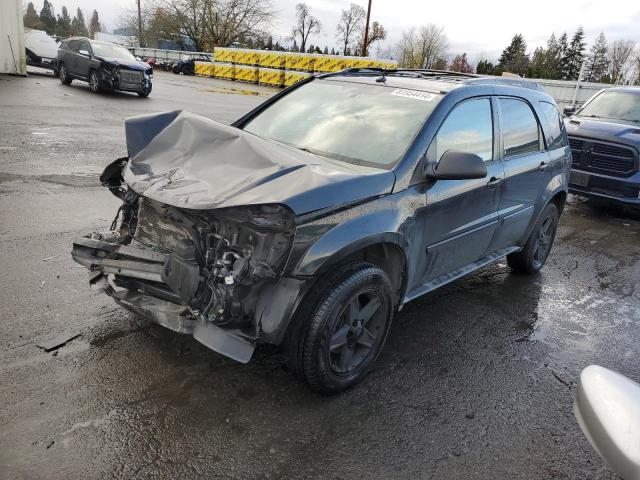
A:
x,y
462,215
526,171
83,59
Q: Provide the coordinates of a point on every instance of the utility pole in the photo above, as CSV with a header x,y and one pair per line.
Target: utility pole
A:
x,y
366,31
139,25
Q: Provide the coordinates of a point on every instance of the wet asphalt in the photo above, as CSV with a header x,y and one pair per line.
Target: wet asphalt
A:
x,y
476,381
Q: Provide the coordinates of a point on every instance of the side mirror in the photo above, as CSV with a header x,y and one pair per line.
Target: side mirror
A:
x,y
84,52
458,165
607,408
569,110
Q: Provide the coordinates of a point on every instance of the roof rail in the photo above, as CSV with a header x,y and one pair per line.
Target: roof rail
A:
x,y
408,72
506,81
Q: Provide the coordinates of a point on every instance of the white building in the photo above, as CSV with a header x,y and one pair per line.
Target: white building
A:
x,y
12,54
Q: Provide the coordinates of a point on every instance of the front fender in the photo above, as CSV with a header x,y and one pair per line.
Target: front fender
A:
x,y
326,241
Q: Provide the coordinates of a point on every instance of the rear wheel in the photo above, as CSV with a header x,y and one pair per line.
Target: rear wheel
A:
x,y
536,251
63,74
337,336
94,81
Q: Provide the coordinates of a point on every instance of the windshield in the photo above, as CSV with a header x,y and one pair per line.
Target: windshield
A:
x,y
111,51
370,125
614,105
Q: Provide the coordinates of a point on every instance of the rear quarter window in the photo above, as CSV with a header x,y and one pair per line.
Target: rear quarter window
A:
x,y
553,126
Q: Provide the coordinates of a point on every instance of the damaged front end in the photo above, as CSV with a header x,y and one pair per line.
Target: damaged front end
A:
x,y
200,272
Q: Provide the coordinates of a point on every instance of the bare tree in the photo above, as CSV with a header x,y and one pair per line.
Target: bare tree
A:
x,y
432,42
619,60
421,49
376,32
306,24
350,26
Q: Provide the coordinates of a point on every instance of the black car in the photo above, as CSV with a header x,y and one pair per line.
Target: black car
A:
x,y
187,66
106,66
604,135
310,221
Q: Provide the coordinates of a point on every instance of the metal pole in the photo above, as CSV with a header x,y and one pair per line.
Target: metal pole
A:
x,y
366,31
575,92
139,25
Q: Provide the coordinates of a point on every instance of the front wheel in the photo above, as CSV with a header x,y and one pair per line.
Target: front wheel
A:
x,y
94,82
536,251
337,336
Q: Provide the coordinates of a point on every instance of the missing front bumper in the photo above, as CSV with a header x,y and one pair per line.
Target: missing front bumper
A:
x,y
103,258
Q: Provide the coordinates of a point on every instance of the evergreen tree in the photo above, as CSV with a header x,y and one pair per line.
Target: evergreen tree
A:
x,y
47,18
326,50
311,48
94,24
78,25
270,43
294,47
31,18
63,24
333,51
574,56
485,67
514,58
563,47
598,61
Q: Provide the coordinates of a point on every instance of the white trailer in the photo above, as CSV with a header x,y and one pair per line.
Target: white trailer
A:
x,y
12,54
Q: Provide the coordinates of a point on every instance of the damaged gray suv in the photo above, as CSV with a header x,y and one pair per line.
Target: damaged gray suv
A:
x,y
310,221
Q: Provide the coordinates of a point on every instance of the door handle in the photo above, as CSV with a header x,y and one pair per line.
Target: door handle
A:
x,y
543,166
493,181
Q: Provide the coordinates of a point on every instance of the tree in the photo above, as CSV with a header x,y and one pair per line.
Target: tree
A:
x,y
485,67
514,58
326,50
439,63
376,33
574,56
460,64
333,51
597,62
63,24
421,49
563,46
620,60
78,25
306,24
351,25
31,18
48,18
94,24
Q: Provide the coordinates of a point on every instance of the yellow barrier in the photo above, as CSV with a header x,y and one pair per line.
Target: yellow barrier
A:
x,y
271,76
291,77
246,73
224,70
299,61
201,68
272,59
246,57
223,54
328,63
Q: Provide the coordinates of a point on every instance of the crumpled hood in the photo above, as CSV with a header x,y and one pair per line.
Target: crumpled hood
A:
x,y
129,64
605,130
189,161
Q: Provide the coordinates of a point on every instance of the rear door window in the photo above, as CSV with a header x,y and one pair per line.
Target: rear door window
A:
x,y
520,129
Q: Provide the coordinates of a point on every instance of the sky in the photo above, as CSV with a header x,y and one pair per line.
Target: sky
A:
x,y
479,28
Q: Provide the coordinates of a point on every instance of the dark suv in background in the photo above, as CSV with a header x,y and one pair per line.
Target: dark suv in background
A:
x,y
311,220
106,66
604,135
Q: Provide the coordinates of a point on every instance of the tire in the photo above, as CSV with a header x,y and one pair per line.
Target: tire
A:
x,y
145,93
94,81
337,334
63,74
536,251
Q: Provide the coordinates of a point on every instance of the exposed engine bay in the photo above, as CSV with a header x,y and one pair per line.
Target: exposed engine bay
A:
x,y
214,263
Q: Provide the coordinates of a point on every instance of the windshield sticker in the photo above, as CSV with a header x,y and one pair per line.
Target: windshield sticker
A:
x,y
416,95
